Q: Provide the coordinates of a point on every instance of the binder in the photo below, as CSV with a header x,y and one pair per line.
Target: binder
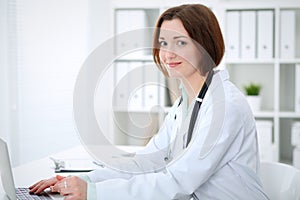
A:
x,y
265,37
296,157
264,134
233,34
121,84
136,89
128,41
287,33
295,136
162,90
248,34
151,86
297,88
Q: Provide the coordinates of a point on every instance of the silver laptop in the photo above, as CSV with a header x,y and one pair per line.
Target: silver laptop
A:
x,y
13,193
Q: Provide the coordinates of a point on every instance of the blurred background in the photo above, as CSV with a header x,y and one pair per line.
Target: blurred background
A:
x,y
44,43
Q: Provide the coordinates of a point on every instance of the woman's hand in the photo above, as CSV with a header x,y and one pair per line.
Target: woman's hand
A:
x,y
72,187
40,186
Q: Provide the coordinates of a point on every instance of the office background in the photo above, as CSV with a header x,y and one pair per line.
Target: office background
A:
x,y
44,43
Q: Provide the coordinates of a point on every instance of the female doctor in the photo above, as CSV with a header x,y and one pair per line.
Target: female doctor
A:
x,y
208,143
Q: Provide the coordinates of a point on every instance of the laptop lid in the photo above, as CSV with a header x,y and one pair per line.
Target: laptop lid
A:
x,y
6,172
7,175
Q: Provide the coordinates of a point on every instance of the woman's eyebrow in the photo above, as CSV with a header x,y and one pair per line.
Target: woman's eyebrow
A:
x,y
181,36
175,37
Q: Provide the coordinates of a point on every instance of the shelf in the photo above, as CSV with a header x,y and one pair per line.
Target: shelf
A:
x,y
275,74
136,4
130,58
270,114
286,161
289,115
258,5
255,61
289,61
264,114
268,61
153,110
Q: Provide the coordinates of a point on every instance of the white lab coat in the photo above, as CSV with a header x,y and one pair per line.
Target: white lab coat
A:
x,y
221,161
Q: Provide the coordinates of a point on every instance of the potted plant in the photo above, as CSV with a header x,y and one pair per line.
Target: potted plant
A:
x,y
253,96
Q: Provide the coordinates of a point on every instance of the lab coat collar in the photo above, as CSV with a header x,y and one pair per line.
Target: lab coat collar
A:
x,y
222,74
219,77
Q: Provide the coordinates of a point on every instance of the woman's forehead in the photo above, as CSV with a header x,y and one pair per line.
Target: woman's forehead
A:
x,y
172,28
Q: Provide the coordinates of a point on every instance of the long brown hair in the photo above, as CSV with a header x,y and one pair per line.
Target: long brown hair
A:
x,y
202,26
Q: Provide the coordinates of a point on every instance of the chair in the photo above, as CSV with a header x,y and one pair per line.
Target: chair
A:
x,y
280,181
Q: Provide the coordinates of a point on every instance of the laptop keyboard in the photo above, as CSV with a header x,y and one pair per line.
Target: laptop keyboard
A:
x,y
23,193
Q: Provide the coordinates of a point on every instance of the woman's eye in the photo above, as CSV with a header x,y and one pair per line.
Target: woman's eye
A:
x,y
181,43
163,43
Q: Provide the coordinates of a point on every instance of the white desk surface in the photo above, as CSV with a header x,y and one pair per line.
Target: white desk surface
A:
x,y
29,173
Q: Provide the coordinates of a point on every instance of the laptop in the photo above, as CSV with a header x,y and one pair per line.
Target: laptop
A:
x,y
11,192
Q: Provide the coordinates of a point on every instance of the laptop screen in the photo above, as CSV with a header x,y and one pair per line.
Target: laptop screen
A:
x,y
6,172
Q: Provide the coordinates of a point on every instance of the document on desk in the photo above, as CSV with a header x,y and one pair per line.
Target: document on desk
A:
x,y
75,165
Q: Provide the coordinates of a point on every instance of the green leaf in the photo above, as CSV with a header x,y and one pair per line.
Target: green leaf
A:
x,y
252,89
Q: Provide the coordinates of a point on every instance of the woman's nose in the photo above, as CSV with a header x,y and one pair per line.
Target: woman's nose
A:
x,y
169,54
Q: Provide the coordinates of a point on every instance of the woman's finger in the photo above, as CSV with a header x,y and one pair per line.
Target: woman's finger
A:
x,y
59,177
60,186
37,186
42,185
71,187
32,186
69,197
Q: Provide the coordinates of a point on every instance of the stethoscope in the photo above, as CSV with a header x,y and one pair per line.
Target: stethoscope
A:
x,y
197,106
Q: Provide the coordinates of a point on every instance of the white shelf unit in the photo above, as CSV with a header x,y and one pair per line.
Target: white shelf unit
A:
x,y
138,123
275,74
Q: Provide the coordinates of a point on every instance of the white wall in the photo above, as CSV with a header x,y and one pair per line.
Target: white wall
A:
x,y
51,40
4,95
100,26
51,46
101,31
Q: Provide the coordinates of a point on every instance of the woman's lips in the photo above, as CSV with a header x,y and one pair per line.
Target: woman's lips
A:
x,y
173,64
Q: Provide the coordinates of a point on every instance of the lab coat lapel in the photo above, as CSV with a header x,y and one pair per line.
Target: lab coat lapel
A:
x,y
182,130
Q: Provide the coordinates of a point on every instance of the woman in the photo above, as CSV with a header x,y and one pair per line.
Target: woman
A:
x,y
208,139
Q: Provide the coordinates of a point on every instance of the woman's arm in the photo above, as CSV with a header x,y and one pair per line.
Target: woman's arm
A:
x,y
149,158
191,169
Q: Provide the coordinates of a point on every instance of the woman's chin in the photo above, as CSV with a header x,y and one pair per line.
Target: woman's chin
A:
x,y
175,74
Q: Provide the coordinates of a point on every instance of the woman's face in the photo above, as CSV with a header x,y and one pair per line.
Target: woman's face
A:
x,y
177,50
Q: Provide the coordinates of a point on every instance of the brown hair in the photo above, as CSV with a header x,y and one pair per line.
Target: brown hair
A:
x,y
202,26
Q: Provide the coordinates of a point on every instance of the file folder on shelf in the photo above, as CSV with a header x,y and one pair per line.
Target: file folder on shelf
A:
x,y
121,84
297,88
151,87
287,33
129,20
265,37
233,34
136,91
264,134
248,34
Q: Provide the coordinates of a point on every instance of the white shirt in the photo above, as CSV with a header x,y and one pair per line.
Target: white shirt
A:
x,y
221,161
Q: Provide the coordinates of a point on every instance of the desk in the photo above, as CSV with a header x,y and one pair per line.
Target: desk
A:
x,y
29,173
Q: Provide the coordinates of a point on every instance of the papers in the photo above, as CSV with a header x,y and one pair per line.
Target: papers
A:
x,y
73,165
